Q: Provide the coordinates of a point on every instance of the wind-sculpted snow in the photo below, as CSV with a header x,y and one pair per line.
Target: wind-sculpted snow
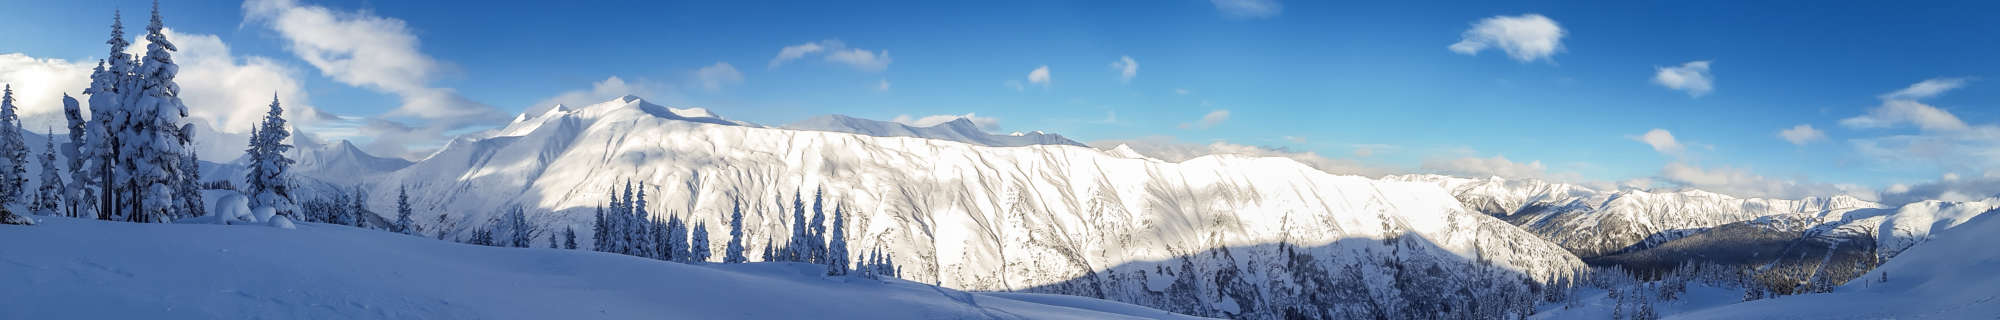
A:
x,y
966,216
1594,223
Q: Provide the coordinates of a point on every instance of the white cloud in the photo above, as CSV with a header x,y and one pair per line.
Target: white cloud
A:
x,y
233,93
794,53
602,91
836,52
1208,120
1127,68
1691,77
882,86
1895,112
39,85
984,123
1661,141
1040,76
1182,91
1949,188
364,50
1295,139
1248,9
1742,183
1167,149
1486,167
1926,89
1802,134
1525,38
716,76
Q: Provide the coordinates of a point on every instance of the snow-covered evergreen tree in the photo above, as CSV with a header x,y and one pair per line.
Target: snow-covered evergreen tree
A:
x,y
698,251
48,198
154,135
599,230
733,253
404,224
109,83
76,193
513,229
13,153
569,238
676,246
795,247
836,251
816,230
267,179
642,227
187,187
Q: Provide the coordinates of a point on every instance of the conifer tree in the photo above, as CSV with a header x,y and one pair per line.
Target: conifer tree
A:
x,y
836,255
187,187
816,231
734,252
267,178
13,152
795,247
699,244
48,198
404,224
598,231
154,135
109,83
569,238
76,195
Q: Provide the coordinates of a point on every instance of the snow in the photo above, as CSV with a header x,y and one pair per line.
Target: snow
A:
x,y
88,269
1949,277
960,130
964,216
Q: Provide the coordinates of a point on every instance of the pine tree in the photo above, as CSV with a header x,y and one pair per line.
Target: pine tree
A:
x,y
76,195
552,242
699,244
109,83
48,199
598,231
569,238
404,224
816,231
836,256
513,229
187,188
13,152
676,248
796,248
154,134
642,231
734,252
267,179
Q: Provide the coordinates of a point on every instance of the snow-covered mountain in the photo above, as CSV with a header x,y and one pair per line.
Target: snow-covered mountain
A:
x,y
1592,223
960,130
340,162
87,269
1949,277
1219,235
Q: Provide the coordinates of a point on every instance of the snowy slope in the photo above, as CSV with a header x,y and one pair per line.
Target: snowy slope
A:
x,y
961,130
1949,277
1042,218
86,269
341,163
1594,223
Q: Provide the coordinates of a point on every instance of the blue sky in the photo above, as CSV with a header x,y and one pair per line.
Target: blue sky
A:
x,y
1369,84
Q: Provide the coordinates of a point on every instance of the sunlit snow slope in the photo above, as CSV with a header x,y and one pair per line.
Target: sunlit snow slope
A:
x,y
87,269
968,216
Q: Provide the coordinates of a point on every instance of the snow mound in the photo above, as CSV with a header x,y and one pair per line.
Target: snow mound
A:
x,y
87,269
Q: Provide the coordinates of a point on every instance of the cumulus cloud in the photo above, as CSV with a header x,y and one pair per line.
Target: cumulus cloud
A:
x,y
1801,134
232,92
1661,141
602,91
39,84
1208,120
1039,76
1691,77
1525,37
1170,150
716,76
1742,183
1248,9
1926,89
836,52
368,51
984,123
1126,67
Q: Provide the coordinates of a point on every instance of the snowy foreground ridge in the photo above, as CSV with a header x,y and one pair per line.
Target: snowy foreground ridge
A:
x,y
1953,276
87,269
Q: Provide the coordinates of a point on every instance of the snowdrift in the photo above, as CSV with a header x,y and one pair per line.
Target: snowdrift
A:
x,y
87,269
